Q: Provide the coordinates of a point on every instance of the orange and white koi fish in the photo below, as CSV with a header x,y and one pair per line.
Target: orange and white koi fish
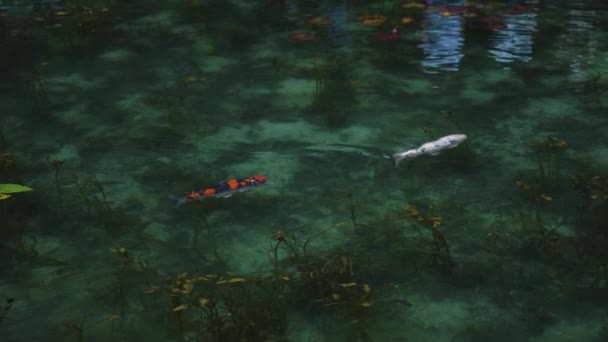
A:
x,y
432,148
222,189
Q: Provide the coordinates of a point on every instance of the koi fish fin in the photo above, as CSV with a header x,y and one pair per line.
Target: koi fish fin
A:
x,y
434,153
398,158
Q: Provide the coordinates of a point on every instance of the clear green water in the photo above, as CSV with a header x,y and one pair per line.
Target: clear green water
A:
x,y
107,109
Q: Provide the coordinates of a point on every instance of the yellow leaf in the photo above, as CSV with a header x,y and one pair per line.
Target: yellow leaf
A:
x,y
366,304
188,288
180,307
4,196
546,197
285,278
203,301
223,281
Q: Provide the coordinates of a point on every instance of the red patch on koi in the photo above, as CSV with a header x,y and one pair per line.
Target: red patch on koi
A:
x,y
209,192
233,184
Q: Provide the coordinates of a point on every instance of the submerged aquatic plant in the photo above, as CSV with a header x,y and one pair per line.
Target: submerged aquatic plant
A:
x,y
594,209
440,247
534,195
332,89
214,307
5,308
548,155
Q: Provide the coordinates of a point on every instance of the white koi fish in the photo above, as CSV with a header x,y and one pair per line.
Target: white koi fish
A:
x,y
432,148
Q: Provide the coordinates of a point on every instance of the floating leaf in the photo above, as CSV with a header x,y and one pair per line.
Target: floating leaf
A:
x,y
13,188
412,5
372,19
236,280
180,307
4,196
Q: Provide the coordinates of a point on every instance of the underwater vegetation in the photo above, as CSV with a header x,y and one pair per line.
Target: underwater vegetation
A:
x,y
549,155
333,94
5,308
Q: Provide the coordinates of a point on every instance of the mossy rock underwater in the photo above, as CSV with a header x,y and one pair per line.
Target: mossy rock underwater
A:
x,y
7,189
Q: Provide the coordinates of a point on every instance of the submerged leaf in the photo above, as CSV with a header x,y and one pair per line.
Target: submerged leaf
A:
x,y
236,280
180,307
151,290
347,285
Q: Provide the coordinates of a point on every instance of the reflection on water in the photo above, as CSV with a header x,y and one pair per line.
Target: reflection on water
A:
x,y
513,42
443,37
337,32
579,43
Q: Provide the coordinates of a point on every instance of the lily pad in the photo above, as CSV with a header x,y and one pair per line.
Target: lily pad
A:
x,y
13,188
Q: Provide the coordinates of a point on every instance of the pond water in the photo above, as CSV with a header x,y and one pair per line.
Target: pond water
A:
x,y
139,125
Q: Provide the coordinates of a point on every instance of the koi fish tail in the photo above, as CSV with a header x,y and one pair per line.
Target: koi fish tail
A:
x,y
179,201
398,157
